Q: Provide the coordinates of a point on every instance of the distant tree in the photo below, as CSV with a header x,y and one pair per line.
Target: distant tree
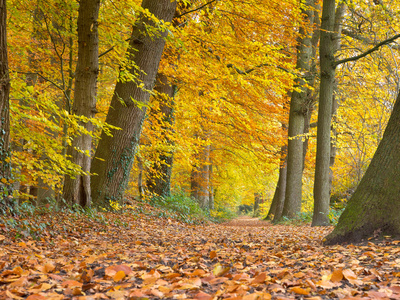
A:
x,y
374,208
159,175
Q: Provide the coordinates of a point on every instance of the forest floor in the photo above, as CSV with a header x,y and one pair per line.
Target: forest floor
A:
x,y
142,257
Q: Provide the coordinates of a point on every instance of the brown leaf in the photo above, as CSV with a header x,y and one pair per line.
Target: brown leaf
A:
x,y
260,278
202,296
213,254
112,270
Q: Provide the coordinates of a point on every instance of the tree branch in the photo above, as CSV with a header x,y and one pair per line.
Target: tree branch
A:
x,y
373,49
196,9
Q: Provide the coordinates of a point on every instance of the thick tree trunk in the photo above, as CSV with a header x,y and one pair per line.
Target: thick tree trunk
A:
x,y
321,181
159,176
298,112
115,154
374,208
5,154
77,190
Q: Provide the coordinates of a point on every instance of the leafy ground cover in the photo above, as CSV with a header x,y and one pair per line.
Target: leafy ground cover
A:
x,y
141,256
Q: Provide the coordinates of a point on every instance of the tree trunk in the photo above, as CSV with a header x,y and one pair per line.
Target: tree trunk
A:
x,y
200,179
257,202
298,111
374,208
159,176
5,154
321,181
339,15
275,210
115,154
77,190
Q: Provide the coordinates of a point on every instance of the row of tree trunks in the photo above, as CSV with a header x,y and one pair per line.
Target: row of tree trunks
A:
x,y
115,154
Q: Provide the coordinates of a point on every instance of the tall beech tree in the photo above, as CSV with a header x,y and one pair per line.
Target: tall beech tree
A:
x,y
328,66
5,156
77,189
374,208
299,106
114,155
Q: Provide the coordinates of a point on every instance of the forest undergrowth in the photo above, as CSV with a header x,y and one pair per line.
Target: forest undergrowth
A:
x,y
140,254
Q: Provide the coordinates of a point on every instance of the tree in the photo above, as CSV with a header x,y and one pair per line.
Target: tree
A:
x,y
5,156
77,189
114,155
328,67
330,42
159,175
374,208
299,107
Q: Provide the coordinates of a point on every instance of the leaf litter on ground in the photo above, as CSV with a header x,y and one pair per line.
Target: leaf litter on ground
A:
x,y
160,258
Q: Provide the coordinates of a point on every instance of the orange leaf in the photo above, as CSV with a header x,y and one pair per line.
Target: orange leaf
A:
x,y
337,276
260,278
213,254
202,296
349,274
119,276
299,290
71,283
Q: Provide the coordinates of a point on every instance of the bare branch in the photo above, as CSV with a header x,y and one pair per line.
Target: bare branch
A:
x,y
373,49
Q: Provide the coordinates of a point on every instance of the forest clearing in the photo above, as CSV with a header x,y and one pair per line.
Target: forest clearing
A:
x,y
135,256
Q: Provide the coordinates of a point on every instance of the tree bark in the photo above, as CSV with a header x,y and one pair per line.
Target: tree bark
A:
x,y
275,210
297,114
200,179
159,176
5,153
327,60
77,190
115,154
374,208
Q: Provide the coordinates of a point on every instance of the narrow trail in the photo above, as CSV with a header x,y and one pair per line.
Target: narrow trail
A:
x,y
247,221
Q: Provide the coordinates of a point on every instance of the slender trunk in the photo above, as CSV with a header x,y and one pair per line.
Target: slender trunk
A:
x,y
278,200
298,111
200,179
115,154
159,176
257,202
140,179
321,181
77,190
5,154
374,208
339,15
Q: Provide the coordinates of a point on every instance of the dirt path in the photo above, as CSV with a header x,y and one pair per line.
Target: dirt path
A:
x,y
246,221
